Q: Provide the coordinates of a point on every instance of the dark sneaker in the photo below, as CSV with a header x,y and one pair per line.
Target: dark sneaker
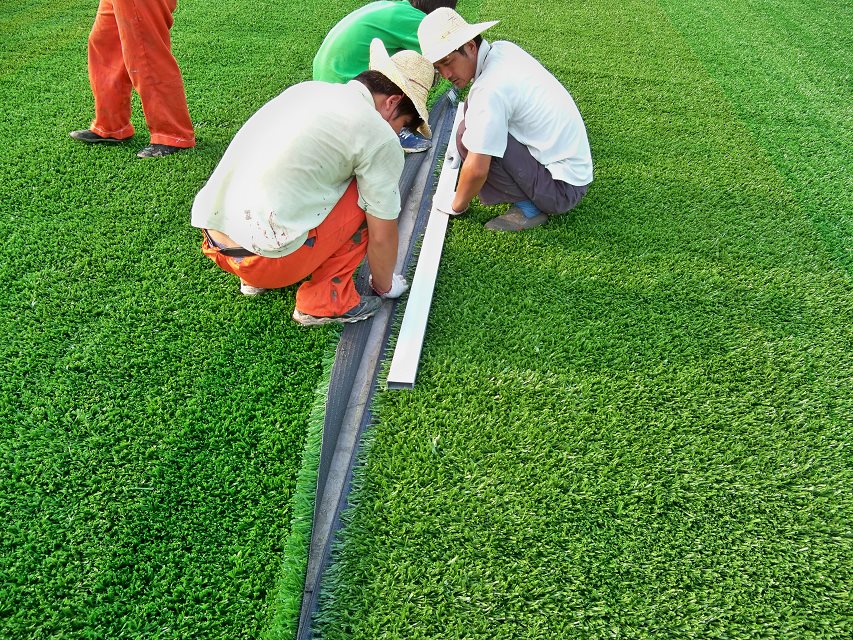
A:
x,y
87,135
158,151
412,142
368,306
515,220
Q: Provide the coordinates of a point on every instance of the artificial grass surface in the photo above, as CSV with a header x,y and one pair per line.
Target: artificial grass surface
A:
x,y
288,592
153,420
789,82
635,421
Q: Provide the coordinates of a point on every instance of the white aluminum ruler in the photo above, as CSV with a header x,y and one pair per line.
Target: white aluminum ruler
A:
x,y
407,353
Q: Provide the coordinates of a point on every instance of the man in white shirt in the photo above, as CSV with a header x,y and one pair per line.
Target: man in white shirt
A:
x,y
309,185
522,140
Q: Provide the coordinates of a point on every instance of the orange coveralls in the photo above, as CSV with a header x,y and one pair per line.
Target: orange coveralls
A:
x,y
129,47
330,257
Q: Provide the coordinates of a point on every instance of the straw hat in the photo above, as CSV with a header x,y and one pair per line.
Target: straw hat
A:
x,y
410,71
444,31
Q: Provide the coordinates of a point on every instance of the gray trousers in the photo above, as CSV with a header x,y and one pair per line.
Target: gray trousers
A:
x,y
519,176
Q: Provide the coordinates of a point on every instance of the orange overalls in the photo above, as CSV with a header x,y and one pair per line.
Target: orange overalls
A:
x,y
330,257
129,47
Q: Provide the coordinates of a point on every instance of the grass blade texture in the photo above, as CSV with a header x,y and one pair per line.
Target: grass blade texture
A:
x,y
635,421
152,419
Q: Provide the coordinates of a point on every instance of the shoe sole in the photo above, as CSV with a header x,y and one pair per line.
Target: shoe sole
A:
x,y
101,141
314,321
157,155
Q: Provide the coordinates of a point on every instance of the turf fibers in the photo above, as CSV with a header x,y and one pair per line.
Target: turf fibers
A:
x,y
153,420
635,421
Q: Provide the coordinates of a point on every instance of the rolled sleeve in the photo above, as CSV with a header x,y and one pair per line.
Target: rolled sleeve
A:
x,y
377,175
486,123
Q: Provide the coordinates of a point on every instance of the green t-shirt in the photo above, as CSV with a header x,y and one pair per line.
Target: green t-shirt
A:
x,y
345,51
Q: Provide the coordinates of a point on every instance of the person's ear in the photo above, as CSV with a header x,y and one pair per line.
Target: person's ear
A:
x,y
393,102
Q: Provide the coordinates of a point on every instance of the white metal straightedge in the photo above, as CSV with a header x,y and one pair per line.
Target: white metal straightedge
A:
x,y
407,354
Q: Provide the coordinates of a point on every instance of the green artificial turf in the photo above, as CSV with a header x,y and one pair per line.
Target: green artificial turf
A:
x,y
789,81
153,420
288,592
635,421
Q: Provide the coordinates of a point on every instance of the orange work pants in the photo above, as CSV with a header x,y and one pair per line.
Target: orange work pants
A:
x,y
330,256
129,47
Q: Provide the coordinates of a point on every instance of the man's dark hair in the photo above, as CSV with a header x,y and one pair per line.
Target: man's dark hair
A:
x,y
377,82
428,6
478,40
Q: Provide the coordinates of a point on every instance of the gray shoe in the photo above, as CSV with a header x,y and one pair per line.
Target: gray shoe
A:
x,y
368,306
87,135
515,220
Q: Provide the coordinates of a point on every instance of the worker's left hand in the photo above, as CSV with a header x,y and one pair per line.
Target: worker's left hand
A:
x,y
398,286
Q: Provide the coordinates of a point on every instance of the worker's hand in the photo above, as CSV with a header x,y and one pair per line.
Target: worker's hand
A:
x,y
398,286
452,157
447,207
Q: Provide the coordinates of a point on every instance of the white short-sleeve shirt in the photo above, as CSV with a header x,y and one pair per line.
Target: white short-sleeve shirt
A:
x,y
514,94
291,162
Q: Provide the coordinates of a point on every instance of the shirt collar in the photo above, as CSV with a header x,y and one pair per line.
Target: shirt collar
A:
x,y
482,52
362,90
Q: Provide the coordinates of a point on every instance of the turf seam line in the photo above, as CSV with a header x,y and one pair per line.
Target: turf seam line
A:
x,y
285,607
352,383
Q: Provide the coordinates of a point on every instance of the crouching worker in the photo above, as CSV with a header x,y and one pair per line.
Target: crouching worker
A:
x,y
522,139
309,185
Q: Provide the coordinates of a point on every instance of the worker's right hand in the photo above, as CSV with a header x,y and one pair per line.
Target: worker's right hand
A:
x,y
398,286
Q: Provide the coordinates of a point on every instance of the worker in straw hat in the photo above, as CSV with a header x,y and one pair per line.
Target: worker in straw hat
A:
x,y
522,139
292,198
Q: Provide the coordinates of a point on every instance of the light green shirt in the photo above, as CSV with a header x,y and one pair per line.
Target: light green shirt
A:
x,y
291,162
345,51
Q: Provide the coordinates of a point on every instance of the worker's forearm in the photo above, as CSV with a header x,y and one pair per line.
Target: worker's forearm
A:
x,y
382,257
472,177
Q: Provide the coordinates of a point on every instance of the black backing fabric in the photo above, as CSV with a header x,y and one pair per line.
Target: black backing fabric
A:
x,y
351,346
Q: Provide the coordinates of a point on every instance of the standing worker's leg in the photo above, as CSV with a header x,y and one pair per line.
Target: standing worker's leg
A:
x,y
108,77
144,27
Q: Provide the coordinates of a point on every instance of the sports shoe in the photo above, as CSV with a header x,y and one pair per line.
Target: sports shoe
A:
x,y
515,220
158,151
412,142
87,135
368,306
249,290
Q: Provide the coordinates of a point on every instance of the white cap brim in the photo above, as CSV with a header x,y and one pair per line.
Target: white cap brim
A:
x,y
435,48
